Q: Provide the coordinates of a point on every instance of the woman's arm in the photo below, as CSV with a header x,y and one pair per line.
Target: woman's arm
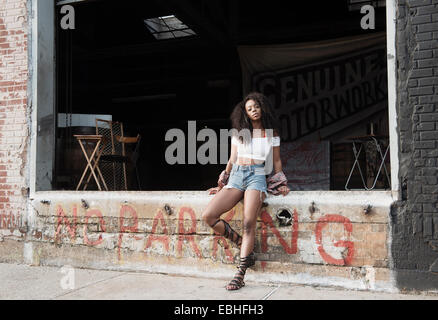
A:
x,y
276,155
233,158
278,168
277,160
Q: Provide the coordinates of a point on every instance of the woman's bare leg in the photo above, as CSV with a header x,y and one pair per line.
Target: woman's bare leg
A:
x,y
222,202
253,200
251,208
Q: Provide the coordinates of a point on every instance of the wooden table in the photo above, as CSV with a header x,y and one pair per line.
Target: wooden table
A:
x,y
92,160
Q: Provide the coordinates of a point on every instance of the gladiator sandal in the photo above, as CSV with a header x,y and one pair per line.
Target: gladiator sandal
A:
x,y
237,281
229,233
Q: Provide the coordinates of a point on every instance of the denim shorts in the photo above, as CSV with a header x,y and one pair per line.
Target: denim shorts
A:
x,y
248,177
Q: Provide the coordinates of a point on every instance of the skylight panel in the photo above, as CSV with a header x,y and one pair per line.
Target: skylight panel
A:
x,y
168,27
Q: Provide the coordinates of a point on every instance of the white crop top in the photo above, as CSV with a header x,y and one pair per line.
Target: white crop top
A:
x,y
258,149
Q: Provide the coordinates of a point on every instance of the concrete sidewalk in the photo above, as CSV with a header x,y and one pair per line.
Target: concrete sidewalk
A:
x,y
47,283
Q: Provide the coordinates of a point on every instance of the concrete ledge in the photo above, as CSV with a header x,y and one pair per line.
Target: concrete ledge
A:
x,y
331,241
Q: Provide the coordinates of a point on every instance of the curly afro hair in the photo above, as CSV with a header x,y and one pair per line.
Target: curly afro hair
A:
x,y
239,118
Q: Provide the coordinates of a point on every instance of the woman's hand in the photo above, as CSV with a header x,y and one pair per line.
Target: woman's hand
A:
x,y
284,190
214,190
223,179
220,184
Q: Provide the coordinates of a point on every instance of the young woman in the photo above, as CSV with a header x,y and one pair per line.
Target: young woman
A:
x,y
245,177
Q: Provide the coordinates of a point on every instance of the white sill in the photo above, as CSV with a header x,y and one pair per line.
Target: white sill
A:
x,y
357,197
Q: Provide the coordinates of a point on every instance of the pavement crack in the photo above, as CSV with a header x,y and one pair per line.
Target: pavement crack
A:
x,y
271,293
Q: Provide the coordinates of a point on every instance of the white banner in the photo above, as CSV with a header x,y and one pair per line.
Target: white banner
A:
x,y
319,89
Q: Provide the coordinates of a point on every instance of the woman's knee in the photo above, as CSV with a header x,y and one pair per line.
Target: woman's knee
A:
x,y
208,217
205,215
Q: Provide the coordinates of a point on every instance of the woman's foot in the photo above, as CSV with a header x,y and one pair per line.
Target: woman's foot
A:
x,y
237,281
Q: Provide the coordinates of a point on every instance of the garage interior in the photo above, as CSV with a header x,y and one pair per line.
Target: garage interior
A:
x,y
115,63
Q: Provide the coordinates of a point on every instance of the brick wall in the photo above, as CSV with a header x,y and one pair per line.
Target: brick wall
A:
x,y
13,123
415,217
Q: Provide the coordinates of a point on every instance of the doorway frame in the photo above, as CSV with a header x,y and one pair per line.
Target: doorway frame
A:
x,y
36,48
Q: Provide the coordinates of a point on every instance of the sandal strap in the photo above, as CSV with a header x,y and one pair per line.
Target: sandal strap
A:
x,y
245,262
236,282
216,222
231,234
248,261
241,271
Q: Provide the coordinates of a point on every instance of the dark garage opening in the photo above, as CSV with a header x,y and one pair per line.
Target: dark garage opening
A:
x,y
115,64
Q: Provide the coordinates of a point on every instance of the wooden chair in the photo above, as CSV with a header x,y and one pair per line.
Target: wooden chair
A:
x,y
134,155
114,159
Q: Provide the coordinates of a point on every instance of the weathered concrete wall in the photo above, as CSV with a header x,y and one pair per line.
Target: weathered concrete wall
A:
x,y
13,127
415,217
335,243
